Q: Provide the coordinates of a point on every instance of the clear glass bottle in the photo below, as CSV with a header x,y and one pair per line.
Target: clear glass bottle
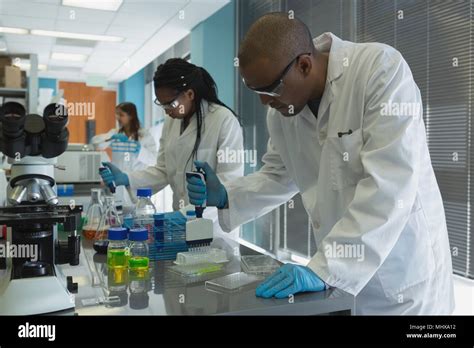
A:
x,y
144,210
109,219
117,250
93,215
138,261
144,206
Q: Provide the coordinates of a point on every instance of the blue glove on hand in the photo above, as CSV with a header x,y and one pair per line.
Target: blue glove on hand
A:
x,y
216,194
119,137
288,280
114,175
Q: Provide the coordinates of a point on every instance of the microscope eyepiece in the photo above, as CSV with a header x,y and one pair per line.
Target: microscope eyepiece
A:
x,y
12,115
56,135
55,118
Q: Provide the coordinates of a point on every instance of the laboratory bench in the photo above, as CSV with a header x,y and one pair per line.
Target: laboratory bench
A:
x,y
163,292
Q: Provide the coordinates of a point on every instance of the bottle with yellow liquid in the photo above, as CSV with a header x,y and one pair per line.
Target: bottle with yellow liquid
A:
x,y
118,252
139,261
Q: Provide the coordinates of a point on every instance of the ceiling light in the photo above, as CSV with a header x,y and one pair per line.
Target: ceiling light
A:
x,y
63,34
8,30
108,5
72,57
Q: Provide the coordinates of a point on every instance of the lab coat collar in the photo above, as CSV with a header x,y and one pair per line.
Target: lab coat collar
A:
x,y
328,42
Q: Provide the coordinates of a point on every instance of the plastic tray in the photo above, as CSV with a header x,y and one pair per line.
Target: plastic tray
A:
x,y
196,270
259,264
233,282
212,255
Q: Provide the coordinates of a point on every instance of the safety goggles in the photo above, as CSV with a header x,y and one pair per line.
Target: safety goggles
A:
x,y
171,105
275,89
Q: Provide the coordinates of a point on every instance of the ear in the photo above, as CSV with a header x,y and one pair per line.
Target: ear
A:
x,y
190,94
305,64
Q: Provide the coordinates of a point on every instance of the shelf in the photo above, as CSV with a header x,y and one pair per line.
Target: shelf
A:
x,y
13,92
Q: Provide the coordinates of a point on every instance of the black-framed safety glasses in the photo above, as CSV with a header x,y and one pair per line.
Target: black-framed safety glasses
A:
x,y
275,89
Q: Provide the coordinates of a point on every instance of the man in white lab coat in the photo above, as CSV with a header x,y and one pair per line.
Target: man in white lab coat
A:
x,y
347,133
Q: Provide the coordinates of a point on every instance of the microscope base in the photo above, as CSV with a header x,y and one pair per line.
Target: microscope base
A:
x,y
39,295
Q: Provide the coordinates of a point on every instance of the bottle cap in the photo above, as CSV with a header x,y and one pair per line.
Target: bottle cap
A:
x,y
138,234
144,192
117,233
191,213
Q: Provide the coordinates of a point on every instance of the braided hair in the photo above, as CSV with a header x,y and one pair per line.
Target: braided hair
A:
x,y
180,75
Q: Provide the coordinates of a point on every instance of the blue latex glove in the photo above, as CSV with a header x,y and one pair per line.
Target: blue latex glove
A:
x,y
114,175
119,137
216,194
288,280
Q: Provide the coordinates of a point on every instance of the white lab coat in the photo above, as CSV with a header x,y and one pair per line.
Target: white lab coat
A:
x,y
148,150
220,131
374,188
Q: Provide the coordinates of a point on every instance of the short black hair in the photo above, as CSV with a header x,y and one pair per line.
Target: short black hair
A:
x,y
276,36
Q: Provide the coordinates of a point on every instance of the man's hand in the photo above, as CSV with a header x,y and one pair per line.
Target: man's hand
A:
x,y
288,280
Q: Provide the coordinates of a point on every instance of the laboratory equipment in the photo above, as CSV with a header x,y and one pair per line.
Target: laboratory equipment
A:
x,y
196,270
169,236
117,250
105,172
144,206
117,284
159,227
144,210
211,255
93,215
36,276
259,264
208,190
79,164
199,231
138,261
109,219
234,282
113,176
32,143
201,176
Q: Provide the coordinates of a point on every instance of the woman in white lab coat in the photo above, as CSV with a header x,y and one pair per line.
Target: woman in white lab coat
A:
x,y
129,130
199,127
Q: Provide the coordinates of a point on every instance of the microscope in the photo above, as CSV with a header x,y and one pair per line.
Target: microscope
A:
x,y
33,283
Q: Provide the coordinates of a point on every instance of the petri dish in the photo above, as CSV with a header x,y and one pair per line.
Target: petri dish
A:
x,y
234,282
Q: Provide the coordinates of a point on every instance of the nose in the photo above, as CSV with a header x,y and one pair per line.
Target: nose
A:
x,y
265,99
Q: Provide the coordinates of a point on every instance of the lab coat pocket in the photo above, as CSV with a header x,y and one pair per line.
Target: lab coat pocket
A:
x,y
345,163
411,260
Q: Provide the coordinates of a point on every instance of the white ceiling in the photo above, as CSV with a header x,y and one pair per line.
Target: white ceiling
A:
x,y
149,27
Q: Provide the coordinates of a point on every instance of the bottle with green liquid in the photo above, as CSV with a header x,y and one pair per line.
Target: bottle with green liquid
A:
x,y
138,262
118,251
